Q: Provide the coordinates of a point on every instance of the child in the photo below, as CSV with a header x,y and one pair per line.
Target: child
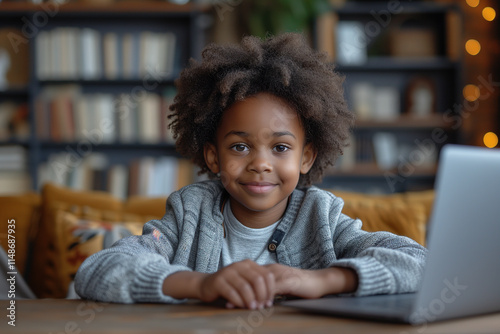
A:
x,y
264,120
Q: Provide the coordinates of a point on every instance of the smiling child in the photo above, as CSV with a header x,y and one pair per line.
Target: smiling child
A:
x,y
264,119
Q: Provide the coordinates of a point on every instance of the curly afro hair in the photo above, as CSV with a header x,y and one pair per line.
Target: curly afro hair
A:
x,y
284,66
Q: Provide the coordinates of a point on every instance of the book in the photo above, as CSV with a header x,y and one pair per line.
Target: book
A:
x,y
111,61
385,146
126,117
149,119
170,53
105,120
42,53
118,181
90,64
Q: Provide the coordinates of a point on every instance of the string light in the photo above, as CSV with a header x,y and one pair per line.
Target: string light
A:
x,y
473,47
471,92
473,3
490,139
489,13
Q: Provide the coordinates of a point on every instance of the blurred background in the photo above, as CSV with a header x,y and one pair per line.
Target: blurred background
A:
x,y
85,86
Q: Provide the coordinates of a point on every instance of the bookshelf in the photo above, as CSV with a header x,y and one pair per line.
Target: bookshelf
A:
x,y
402,63
94,105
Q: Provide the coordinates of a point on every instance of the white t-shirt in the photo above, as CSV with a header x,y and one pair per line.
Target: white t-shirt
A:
x,y
243,242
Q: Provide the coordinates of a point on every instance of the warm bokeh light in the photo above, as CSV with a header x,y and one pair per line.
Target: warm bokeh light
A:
x,y
490,139
473,3
489,14
473,47
471,92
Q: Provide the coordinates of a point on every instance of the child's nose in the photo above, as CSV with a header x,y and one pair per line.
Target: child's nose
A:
x,y
260,163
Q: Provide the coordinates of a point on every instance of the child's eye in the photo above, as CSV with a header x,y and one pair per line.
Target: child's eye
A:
x,y
239,147
281,148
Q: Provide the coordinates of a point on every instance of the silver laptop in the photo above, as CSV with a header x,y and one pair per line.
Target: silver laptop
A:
x,y
462,274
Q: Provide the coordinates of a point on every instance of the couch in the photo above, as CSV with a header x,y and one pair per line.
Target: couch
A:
x,y
58,228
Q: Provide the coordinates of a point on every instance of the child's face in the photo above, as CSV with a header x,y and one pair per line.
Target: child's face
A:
x,y
260,152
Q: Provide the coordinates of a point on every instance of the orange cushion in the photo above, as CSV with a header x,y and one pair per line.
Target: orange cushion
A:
x,y
401,214
24,210
146,207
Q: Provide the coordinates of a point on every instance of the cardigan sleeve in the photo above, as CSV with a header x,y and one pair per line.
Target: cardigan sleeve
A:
x,y
384,262
134,268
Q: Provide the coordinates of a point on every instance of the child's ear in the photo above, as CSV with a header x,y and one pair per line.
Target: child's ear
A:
x,y
210,153
308,157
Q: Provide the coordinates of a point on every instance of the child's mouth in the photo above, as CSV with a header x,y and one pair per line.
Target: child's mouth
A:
x,y
259,187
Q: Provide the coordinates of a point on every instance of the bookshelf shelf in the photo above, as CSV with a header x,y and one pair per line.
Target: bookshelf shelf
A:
x,y
402,63
404,123
163,8
101,78
370,7
374,171
126,82
166,147
14,92
14,142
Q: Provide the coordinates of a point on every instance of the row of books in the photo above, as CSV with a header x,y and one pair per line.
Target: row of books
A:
x,y
147,176
89,54
359,151
387,152
67,115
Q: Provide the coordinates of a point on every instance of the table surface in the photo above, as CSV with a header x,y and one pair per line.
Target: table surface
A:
x,y
81,317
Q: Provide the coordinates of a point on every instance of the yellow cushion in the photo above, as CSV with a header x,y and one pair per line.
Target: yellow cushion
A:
x,y
402,214
25,211
77,239
145,207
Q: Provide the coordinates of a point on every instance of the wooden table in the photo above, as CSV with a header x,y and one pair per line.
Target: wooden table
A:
x,y
56,316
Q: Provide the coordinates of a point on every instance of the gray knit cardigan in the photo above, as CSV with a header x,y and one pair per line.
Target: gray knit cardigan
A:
x,y
312,234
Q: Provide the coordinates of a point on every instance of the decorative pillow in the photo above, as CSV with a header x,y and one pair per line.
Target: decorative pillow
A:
x,y
77,239
88,204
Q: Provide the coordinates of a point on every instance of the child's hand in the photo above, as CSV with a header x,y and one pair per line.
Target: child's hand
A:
x,y
313,283
243,284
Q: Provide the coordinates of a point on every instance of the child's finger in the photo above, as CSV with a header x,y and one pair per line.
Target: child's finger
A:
x,y
256,277
233,297
244,289
271,288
